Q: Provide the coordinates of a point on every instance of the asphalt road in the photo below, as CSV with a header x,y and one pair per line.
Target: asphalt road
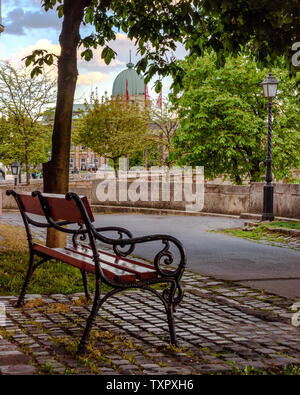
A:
x,y
274,269
260,266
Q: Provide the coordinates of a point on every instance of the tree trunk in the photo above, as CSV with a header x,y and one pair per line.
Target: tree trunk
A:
x,y
20,174
56,171
116,167
27,166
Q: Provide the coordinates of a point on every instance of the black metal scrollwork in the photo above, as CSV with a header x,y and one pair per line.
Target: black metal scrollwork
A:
x,y
79,232
164,257
117,249
169,294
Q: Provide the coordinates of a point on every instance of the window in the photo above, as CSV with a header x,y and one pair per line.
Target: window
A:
x,y
82,164
71,164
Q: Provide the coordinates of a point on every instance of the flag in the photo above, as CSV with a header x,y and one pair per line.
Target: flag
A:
x,y
127,94
159,100
147,97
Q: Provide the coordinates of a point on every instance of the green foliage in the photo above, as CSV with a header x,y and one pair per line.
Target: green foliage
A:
x,y
157,27
221,25
112,128
267,29
37,59
164,122
22,104
223,119
27,145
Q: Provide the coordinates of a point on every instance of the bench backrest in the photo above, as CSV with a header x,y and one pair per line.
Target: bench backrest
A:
x,y
60,208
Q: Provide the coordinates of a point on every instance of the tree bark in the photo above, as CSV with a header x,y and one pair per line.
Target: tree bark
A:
x,y
56,171
116,167
27,165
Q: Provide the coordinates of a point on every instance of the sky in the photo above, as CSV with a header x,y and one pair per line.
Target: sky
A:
x,y
29,27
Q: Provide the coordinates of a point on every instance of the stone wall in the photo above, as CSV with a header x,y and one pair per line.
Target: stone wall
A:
x,y
286,199
223,199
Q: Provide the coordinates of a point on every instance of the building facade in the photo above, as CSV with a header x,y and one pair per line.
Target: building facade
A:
x,y
128,85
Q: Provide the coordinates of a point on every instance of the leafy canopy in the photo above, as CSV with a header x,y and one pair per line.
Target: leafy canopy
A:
x,y
157,26
164,124
223,119
23,101
112,127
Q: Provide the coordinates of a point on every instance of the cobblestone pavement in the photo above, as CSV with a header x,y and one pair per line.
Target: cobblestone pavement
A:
x,y
221,328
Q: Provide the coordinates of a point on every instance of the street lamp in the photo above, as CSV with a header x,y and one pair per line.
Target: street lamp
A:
x,y
15,169
270,85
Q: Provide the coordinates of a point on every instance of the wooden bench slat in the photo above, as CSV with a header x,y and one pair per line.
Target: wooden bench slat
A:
x,y
147,265
31,204
86,263
142,272
60,208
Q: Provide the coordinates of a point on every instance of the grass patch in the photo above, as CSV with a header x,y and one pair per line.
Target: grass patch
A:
x,y
50,278
261,234
283,224
13,238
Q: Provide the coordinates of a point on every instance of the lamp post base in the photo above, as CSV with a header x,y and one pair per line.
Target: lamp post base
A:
x,y
268,214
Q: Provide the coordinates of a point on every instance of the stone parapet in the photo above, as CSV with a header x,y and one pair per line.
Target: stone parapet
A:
x,y
218,198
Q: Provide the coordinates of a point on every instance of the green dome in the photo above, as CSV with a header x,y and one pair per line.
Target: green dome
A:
x,y
136,84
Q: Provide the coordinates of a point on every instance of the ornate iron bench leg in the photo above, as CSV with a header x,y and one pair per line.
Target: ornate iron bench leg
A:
x,y
91,319
86,284
30,271
171,323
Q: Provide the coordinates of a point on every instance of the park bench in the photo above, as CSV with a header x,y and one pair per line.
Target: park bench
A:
x,y
112,266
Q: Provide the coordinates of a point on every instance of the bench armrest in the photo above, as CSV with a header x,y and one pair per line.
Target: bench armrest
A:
x,y
163,257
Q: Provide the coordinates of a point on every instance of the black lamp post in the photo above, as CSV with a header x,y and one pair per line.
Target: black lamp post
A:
x,y
15,169
270,85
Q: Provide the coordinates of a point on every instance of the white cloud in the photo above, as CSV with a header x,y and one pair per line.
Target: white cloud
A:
x,y
43,43
92,78
95,73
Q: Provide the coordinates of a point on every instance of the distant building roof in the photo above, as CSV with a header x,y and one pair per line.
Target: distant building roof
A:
x,y
1,26
135,82
78,107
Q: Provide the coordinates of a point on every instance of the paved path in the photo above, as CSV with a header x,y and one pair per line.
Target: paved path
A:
x,y
221,328
273,269
262,266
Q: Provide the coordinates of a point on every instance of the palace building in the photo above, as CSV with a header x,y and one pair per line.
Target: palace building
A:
x,y
128,85
1,26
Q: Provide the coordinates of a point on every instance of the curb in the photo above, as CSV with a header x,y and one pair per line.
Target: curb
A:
x,y
97,208
284,231
257,217
102,209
